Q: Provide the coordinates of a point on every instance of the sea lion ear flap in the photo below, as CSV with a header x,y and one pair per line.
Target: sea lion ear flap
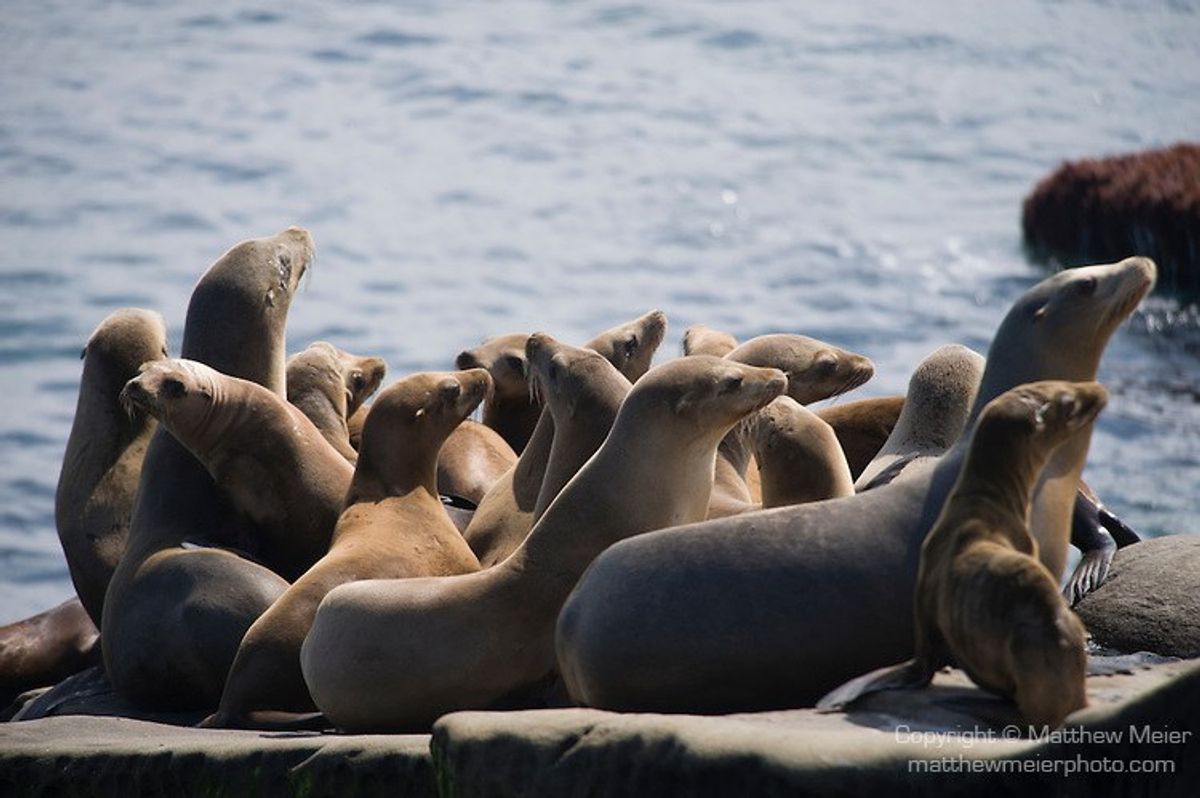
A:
x,y
1040,313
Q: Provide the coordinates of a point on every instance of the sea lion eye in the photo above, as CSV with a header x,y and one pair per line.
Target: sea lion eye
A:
x,y
515,363
357,381
172,388
730,384
825,364
631,345
1086,287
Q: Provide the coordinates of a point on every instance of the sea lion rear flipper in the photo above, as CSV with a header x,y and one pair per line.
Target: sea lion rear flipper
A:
x,y
910,674
1120,531
1089,574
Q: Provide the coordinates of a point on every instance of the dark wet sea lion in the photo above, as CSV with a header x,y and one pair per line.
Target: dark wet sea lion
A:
x,y
694,619
983,601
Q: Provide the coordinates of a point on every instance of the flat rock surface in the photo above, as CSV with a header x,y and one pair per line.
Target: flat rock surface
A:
x,y
1150,600
581,751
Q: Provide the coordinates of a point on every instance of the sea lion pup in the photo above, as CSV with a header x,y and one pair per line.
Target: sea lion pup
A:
x,y
941,392
98,482
471,460
505,515
393,527
701,340
174,616
429,646
815,370
511,409
45,649
799,457
983,601
696,620
324,382
862,427
261,451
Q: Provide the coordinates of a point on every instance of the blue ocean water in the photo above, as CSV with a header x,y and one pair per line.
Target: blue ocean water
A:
x,y
850,171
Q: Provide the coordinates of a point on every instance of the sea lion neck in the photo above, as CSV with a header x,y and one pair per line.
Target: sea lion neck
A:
x,y
1002,468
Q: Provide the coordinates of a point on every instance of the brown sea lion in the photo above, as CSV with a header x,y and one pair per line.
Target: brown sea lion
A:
x,y
100,470
430,646
816,370
511,409
174,616
505,515
328,385
941,392
983,601
862,427
261,451
798,455
393,527
701,340
694,619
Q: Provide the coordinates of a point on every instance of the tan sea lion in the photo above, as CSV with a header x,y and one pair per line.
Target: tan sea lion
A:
x,y
261,451
816,370
862,427
328,385
511,409
694,619
941,392
701,340
393,527
798,455
98,482
45,649
174,616
471,460
505,515
983,601
429,646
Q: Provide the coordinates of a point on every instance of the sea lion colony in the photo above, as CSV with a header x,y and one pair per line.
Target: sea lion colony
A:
x,y
278,552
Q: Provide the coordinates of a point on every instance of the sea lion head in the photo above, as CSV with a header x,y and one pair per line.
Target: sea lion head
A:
x,y
1049,411
319,368
700,339
569,379
362,376
421,410
699,398
815,370
631,346
122,342
1061,326
238,311
941,392
504,358
180,393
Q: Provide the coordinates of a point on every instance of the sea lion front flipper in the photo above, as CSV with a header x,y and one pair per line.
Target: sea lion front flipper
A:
x,y
906,675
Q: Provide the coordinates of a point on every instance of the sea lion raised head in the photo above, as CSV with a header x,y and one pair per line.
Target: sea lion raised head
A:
x,y
419,412
237,313
511,410
815,370
631,346
328,385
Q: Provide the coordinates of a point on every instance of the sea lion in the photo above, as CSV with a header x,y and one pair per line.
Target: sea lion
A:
x,y
941,392
505,515
45,649
511,409
471,460
100,470
429,646
694,619
328,385
815,370
263,453
862,427
393,527
1097,533
983,601
798,455
701,340
174,616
